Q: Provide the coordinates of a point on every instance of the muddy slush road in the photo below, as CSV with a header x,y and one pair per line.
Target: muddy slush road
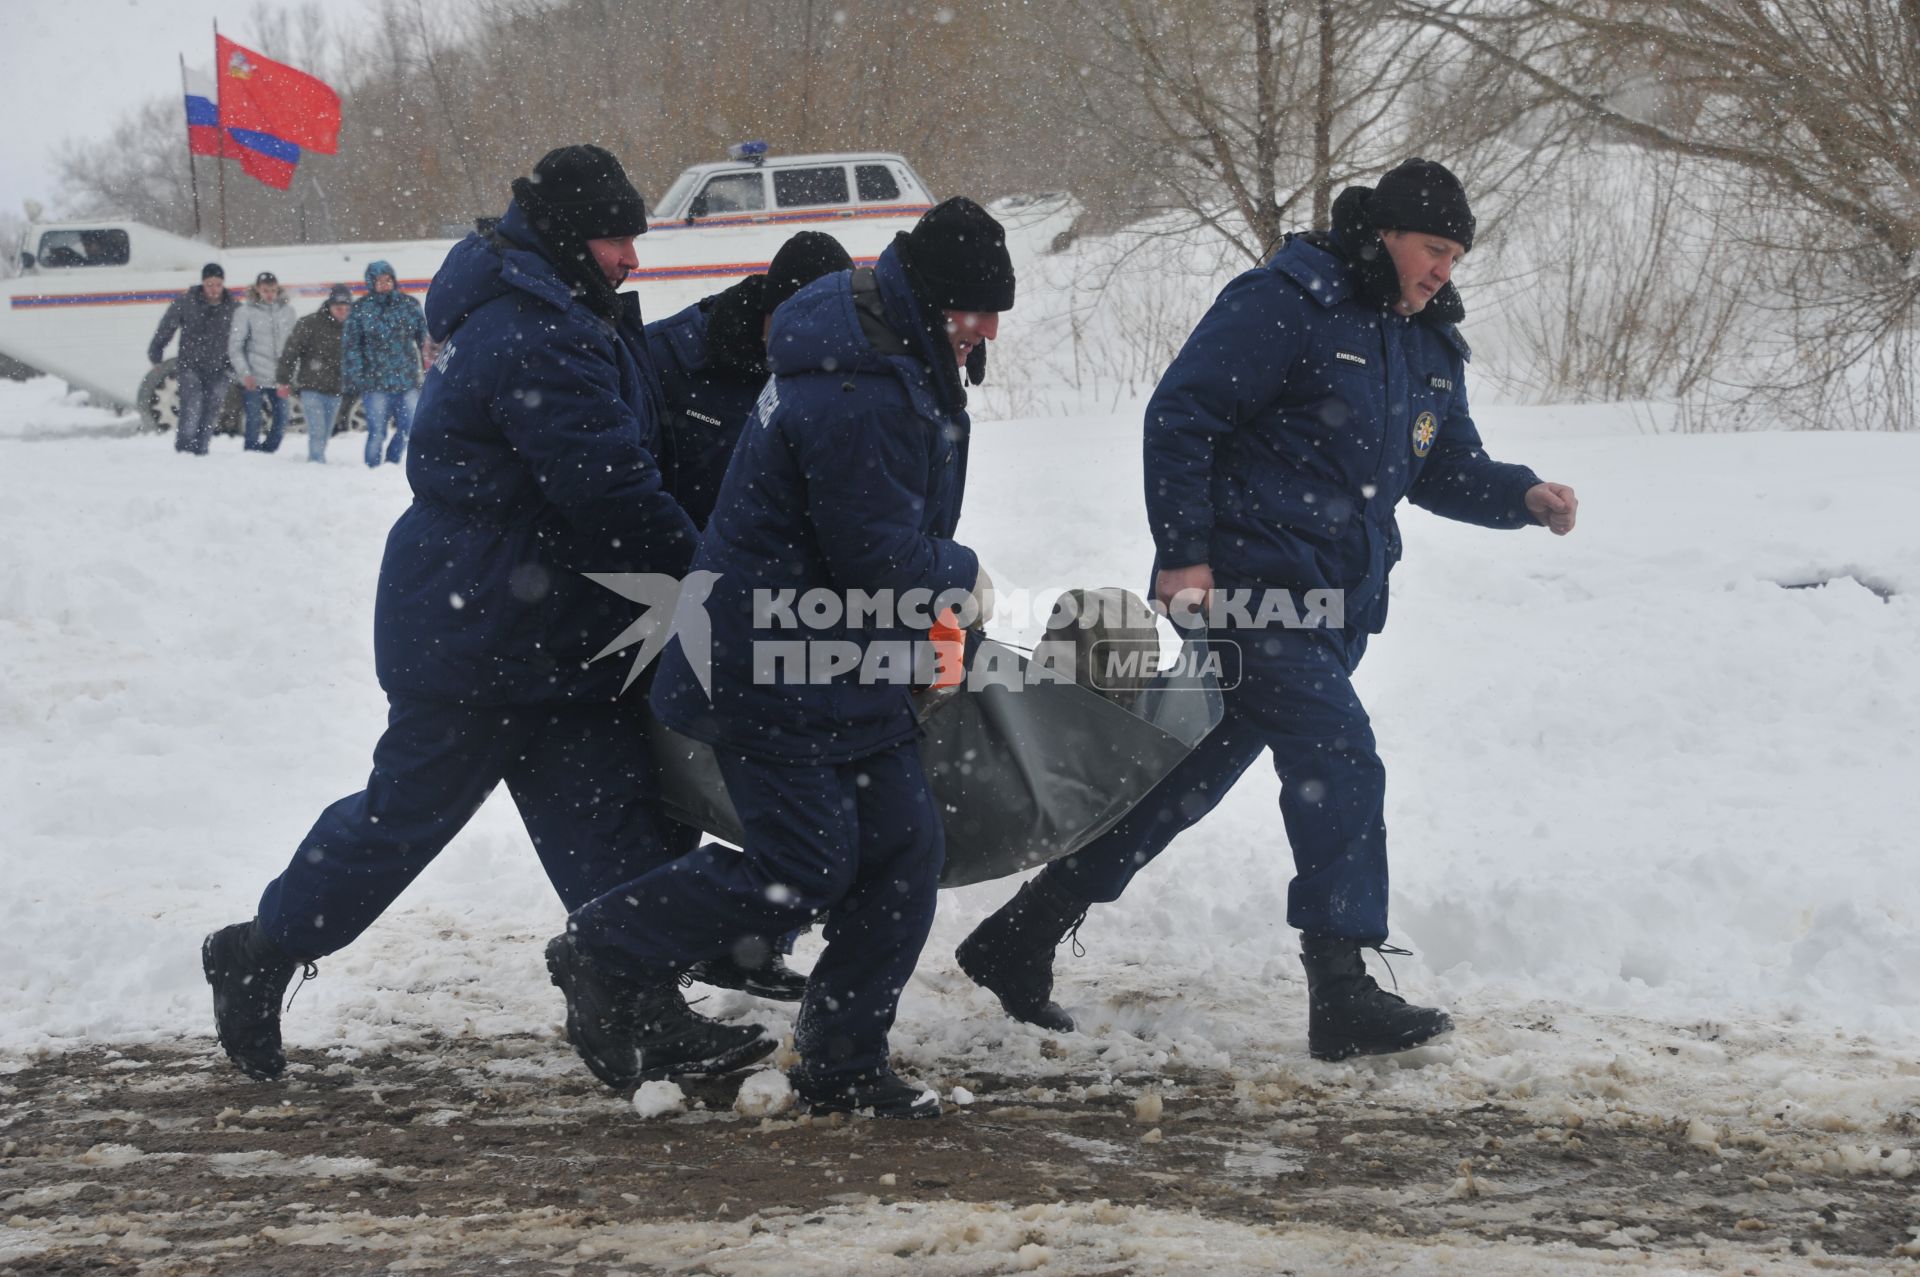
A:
x,y
502,1157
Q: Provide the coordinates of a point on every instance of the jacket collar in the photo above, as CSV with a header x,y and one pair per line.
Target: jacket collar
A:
x,y
908,319
524,264
1312,261
864,320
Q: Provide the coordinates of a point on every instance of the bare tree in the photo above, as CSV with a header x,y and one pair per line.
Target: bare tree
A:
x,y
1615,288
141,173
13,242
1806,109
1247,116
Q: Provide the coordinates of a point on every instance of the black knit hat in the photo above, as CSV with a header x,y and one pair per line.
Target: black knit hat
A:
x,y
1421,195
956,257
213,270
340,295
801,260
584,190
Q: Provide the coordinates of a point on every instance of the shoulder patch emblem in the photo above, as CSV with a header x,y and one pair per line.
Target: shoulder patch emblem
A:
x,y
1425,427
1348,356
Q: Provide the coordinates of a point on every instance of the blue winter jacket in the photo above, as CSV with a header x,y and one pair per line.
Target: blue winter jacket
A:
x,y
848,476
706,407
530,464
1294,420
380,346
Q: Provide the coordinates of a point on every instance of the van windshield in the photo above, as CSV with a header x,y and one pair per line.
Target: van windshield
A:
x,y
670,205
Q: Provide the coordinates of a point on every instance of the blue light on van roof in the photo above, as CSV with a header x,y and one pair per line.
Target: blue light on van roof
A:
x,y
755,151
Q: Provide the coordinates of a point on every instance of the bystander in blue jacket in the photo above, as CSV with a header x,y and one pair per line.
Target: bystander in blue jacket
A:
x,y
380,359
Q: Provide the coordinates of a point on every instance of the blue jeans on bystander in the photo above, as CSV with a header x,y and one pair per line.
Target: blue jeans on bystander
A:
x,y
383,405
321,408
200,396
254,403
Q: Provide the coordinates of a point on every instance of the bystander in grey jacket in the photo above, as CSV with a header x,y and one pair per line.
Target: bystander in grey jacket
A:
x,y
259,333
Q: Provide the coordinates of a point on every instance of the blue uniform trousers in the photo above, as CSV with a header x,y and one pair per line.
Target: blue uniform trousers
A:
x,y
1294,698
859,841
581,775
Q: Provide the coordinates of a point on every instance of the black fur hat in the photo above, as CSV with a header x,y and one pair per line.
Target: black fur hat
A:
x,y
1425,196
956,257
801,260
585,190
576,194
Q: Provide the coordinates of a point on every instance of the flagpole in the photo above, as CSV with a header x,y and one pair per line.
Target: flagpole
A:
x,y
193,173
219,94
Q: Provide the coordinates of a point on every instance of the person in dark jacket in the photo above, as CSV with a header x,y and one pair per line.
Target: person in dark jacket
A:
x,y
203,317
1319,391
712,358
532,466
381,351
310,367
849,477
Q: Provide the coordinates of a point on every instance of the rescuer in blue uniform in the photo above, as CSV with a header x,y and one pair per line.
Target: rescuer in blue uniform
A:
x,y
1317,392
712,362
531,464
848,478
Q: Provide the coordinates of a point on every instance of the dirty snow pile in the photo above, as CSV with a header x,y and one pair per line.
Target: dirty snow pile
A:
x,y
1641,792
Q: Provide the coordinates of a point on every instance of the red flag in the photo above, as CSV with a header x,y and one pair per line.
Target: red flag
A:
x,y
265,159
270,97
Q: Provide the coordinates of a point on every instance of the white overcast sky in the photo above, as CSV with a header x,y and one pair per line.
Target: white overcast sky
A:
x,y
70,69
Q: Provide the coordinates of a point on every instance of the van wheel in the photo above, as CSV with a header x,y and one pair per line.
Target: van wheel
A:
x,y
158,399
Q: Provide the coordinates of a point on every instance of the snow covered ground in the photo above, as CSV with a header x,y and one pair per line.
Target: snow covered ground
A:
x,y
1652,814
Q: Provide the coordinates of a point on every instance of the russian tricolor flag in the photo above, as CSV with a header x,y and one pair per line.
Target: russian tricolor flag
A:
x,y
262,155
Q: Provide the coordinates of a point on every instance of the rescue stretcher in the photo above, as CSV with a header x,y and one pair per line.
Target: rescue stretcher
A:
x,y
1026,766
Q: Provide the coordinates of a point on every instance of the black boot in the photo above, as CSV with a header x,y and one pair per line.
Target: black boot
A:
x,y
1011,953
1348,1014
248,974
754,967
883,1095
677,1041
600,1021
630,1031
